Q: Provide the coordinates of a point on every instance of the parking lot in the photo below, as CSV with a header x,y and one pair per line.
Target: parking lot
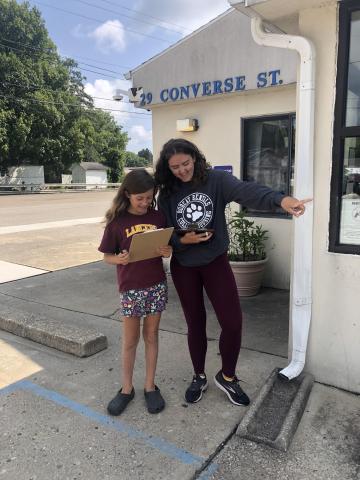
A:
x,y
53,420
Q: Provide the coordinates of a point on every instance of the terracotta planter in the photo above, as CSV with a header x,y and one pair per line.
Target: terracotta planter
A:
x,y
248,276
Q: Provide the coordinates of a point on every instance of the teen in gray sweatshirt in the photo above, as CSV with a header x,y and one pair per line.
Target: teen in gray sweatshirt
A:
x,y
191,192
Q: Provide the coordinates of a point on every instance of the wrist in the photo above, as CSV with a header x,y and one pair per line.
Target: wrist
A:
x,y
281,198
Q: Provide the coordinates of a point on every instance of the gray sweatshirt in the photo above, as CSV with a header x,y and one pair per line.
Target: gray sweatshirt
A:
x,y
205,205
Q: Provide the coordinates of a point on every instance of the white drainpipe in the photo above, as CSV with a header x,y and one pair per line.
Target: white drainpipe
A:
x,y
301,275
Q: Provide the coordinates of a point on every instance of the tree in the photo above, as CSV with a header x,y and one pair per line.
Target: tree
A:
x,y
146,153
110,142
46,117
133,160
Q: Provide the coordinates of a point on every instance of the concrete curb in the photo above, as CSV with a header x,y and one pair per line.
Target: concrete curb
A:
x,y
277,410
66,338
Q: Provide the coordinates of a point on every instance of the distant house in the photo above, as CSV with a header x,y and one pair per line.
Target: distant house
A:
x,y
24,178
89,172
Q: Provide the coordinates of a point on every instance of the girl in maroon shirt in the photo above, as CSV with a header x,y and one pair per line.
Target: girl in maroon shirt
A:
x,y
142,284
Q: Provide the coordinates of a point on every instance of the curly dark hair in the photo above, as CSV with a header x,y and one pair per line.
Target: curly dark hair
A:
x,y
165,179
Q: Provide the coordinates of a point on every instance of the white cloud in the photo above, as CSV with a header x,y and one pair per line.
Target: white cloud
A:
x,y
102,91
140,137
110,36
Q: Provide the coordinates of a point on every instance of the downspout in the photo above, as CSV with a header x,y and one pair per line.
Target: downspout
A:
x,y
301,274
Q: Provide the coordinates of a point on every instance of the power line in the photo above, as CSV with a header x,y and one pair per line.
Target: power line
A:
x,y
71,105
127,16
54,62
40,87
100,68
99,73
146,15
79,68
67,57
101,22
98,61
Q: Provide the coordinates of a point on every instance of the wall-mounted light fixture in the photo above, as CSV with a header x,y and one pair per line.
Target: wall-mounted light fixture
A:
x,y
187,125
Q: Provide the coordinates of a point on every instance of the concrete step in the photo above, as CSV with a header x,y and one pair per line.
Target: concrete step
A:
x,y
277,410
77,340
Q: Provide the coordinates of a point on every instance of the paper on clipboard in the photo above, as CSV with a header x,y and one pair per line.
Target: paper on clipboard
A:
x,y
144,245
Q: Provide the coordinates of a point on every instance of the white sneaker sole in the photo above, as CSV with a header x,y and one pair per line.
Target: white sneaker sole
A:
x,y
228,394
204,388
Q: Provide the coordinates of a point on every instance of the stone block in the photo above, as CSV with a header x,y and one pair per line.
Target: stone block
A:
x,y
276,412
79,341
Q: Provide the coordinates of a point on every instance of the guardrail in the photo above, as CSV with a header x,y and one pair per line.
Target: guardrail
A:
x,y
29,188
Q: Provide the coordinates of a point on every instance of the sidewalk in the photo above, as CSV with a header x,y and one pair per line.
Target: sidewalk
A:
x,y
53,421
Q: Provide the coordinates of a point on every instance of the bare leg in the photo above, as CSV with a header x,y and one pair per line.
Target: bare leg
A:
x,y
151,339
130,340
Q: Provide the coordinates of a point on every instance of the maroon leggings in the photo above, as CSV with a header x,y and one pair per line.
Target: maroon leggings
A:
x,y
219,283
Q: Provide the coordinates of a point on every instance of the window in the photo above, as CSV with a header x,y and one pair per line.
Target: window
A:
x,y
269,150
345,182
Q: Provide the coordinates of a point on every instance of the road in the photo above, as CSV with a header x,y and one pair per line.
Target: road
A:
x,y
47,232
29,209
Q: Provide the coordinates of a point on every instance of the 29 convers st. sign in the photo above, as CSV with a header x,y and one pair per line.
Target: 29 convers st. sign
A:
x,y
212,87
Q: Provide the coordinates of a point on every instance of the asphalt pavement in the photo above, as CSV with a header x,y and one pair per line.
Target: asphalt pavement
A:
x,y
53,419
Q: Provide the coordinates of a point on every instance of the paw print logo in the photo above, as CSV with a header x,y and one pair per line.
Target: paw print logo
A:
x,y
194,208
194,212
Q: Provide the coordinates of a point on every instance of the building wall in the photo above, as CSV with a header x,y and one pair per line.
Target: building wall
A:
x,y
334,342
96,177
219,51
78,174
219,137
29,174
66,179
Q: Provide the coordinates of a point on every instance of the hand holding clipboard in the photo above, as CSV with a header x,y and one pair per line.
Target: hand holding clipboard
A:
x,y
147,244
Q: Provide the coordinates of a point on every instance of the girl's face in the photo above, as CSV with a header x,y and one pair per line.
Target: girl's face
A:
x,y
181,166
140,202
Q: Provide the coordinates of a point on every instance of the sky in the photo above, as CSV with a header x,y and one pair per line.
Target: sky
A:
x,y
110,37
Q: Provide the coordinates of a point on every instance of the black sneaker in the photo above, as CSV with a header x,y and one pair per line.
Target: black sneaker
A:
x,y
118,404
196,388
232,389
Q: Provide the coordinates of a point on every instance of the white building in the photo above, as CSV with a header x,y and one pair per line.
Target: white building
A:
x,y
91,173
25,177
249,101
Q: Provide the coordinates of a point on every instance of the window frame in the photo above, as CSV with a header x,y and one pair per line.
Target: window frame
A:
x,y
341,131
290,116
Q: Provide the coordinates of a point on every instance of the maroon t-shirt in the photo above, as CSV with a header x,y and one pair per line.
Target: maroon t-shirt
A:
x,y
117,237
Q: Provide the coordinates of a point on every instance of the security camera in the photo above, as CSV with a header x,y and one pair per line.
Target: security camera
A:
x,y
135,94
118,97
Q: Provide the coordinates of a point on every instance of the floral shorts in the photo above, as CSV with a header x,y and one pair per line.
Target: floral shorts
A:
x,y
144,301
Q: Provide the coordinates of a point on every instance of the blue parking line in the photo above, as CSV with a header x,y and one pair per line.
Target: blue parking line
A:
x,y
11,388
159,443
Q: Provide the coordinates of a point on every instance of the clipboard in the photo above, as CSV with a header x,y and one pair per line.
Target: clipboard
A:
x,y
144,245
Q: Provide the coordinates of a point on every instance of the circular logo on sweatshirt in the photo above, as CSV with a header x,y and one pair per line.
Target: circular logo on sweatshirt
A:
x,y
195,208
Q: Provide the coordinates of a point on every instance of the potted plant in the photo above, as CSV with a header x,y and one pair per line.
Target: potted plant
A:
x,y
247,253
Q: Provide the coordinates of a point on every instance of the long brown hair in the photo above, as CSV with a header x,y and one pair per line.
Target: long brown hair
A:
x,y
136,181
165,179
